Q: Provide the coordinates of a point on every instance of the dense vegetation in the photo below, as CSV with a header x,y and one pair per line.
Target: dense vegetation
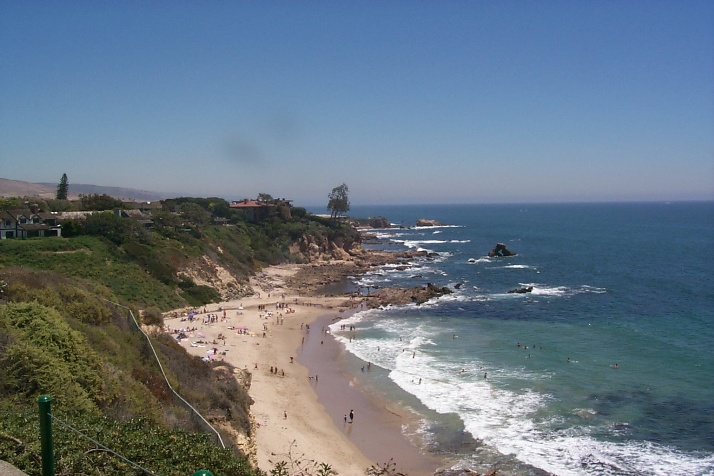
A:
x,y
145,267
61,336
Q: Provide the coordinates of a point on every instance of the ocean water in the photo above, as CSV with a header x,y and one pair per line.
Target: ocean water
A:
x,y
605,368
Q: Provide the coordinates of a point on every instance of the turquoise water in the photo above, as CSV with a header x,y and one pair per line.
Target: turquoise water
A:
x,y
605,368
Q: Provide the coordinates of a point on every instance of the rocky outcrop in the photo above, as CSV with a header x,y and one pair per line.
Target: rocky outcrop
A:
x,y
500,250
312,249
425,222
399,296
372,222
312,278
527,289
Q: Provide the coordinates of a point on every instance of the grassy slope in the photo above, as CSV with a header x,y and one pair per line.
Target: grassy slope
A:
x,y
120,394
83,352
94,260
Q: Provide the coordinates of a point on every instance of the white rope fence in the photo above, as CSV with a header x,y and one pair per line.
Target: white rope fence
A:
x,y
161,367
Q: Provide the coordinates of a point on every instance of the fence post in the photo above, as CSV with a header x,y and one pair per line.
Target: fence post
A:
x,y
48,459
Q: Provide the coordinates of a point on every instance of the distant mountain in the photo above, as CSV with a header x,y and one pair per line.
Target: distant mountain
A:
x,y
17,188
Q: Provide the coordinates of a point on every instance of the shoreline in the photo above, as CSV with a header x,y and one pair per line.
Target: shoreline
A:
x,y
294,414
377,426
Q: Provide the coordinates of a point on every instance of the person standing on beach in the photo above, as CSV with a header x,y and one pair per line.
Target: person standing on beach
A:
x,y
352,415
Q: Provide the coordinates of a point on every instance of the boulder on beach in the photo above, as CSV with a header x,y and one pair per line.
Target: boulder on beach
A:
x,y
500,250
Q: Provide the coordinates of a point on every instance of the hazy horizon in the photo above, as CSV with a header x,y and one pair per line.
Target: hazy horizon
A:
x,y
405,102
318,207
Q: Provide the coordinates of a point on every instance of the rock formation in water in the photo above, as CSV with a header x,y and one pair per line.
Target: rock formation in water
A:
x,y
425,222
527,289
399,296
500,250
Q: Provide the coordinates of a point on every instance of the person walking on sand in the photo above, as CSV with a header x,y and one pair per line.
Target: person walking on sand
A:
x,y
352,415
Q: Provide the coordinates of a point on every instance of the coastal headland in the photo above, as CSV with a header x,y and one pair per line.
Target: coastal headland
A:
x,y
302,399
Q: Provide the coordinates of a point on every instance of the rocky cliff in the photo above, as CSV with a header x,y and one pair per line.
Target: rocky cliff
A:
x,y
316,248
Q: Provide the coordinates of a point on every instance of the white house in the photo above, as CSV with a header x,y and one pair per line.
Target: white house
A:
x,y
26,223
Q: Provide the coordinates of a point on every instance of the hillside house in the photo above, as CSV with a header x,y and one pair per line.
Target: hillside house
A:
x,y
28,223
257,211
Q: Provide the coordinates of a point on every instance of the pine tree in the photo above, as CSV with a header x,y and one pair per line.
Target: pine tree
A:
x,y
62,188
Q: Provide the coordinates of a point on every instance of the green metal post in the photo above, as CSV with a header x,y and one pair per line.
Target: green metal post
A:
x,y
48,459
203,472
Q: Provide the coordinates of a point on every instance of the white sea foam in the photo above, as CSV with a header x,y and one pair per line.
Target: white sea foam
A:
x,y
435,227
418,243
543,290
548,291
480,260
575,452
505,420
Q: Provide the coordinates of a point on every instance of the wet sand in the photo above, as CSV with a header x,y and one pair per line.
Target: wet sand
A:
x,y
376,429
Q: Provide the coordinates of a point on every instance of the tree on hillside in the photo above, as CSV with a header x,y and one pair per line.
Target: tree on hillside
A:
x,y
54,205
62,188
98,202
195,214
338,202
10,202
265,197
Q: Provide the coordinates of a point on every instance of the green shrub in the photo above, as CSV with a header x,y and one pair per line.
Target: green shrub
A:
x,y
147,257
159,450
152,317
197,295
43,354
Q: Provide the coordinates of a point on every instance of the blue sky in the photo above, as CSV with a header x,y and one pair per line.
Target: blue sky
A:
x,y
405,102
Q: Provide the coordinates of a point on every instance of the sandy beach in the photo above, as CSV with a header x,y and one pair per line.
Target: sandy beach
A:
x,y
300,404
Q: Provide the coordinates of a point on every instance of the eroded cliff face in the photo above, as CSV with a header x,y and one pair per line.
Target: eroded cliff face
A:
x,y
312,249
315,249
207,271
242,436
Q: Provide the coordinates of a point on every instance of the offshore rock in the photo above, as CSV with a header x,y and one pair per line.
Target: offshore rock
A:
x,y
528,289
398,296
425,222
500,250
371,222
